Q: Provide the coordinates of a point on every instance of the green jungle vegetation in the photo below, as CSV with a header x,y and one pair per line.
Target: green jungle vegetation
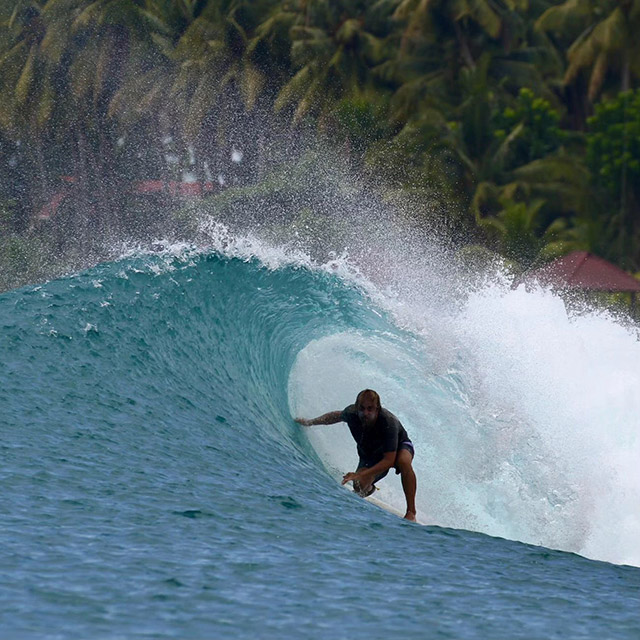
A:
x,y
517,121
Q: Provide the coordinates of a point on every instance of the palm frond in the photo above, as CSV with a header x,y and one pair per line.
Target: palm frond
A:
x,y
295,88
27,77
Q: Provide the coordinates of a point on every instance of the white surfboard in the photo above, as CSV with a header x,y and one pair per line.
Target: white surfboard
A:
x,y
373,499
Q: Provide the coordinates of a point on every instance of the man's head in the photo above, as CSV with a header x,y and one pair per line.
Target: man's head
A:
x,y
368,406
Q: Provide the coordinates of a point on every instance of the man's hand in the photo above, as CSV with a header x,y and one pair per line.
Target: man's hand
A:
x,y
359,476
303,421
348,477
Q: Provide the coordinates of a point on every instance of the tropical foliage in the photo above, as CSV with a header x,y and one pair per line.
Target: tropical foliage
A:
x,y
518,118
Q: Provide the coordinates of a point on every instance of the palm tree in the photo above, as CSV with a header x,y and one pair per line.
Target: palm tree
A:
x,y
209,73
604,37
332,53
28,99
519,233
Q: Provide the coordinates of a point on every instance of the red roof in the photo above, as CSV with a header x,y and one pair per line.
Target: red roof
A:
x,y
51,207
172,187
149,186
583,270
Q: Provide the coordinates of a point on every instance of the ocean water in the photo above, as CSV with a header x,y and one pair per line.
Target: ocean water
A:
x,y
155,485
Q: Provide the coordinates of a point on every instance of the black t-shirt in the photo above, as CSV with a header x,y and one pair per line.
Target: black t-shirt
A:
x,y
373,442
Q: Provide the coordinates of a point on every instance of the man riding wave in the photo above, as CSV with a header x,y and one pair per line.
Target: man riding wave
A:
x,y
382,443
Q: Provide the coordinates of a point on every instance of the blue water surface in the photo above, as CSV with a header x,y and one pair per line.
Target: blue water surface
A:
x,y
154,484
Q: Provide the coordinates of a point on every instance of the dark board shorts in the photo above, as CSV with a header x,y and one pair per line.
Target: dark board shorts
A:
x,y
407,444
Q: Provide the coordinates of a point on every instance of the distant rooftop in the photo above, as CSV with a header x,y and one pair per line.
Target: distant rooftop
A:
x,y
583,270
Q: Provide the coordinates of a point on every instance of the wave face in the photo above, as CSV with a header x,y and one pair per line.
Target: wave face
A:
x,y
149,444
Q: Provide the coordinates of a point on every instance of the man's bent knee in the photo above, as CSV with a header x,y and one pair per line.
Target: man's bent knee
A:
x,y
403,461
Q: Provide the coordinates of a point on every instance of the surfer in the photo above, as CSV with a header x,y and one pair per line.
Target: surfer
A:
x,y
382,443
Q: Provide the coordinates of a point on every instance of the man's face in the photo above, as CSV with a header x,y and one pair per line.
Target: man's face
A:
x,y
368,412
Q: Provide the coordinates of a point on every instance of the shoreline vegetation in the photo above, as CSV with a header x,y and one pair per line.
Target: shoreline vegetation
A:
x,y
512,128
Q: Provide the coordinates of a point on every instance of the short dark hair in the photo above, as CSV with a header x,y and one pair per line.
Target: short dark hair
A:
x,y
368,393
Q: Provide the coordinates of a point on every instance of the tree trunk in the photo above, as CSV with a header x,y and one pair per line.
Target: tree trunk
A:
x,y
82,204
626,70
43,191
464,46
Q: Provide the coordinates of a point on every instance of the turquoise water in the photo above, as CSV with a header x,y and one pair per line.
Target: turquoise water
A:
x,y
154,484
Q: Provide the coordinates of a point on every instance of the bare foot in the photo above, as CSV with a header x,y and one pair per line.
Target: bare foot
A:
x,y
410,515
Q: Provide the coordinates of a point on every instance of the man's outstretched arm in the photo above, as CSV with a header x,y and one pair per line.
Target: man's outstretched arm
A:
x,y
327,418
